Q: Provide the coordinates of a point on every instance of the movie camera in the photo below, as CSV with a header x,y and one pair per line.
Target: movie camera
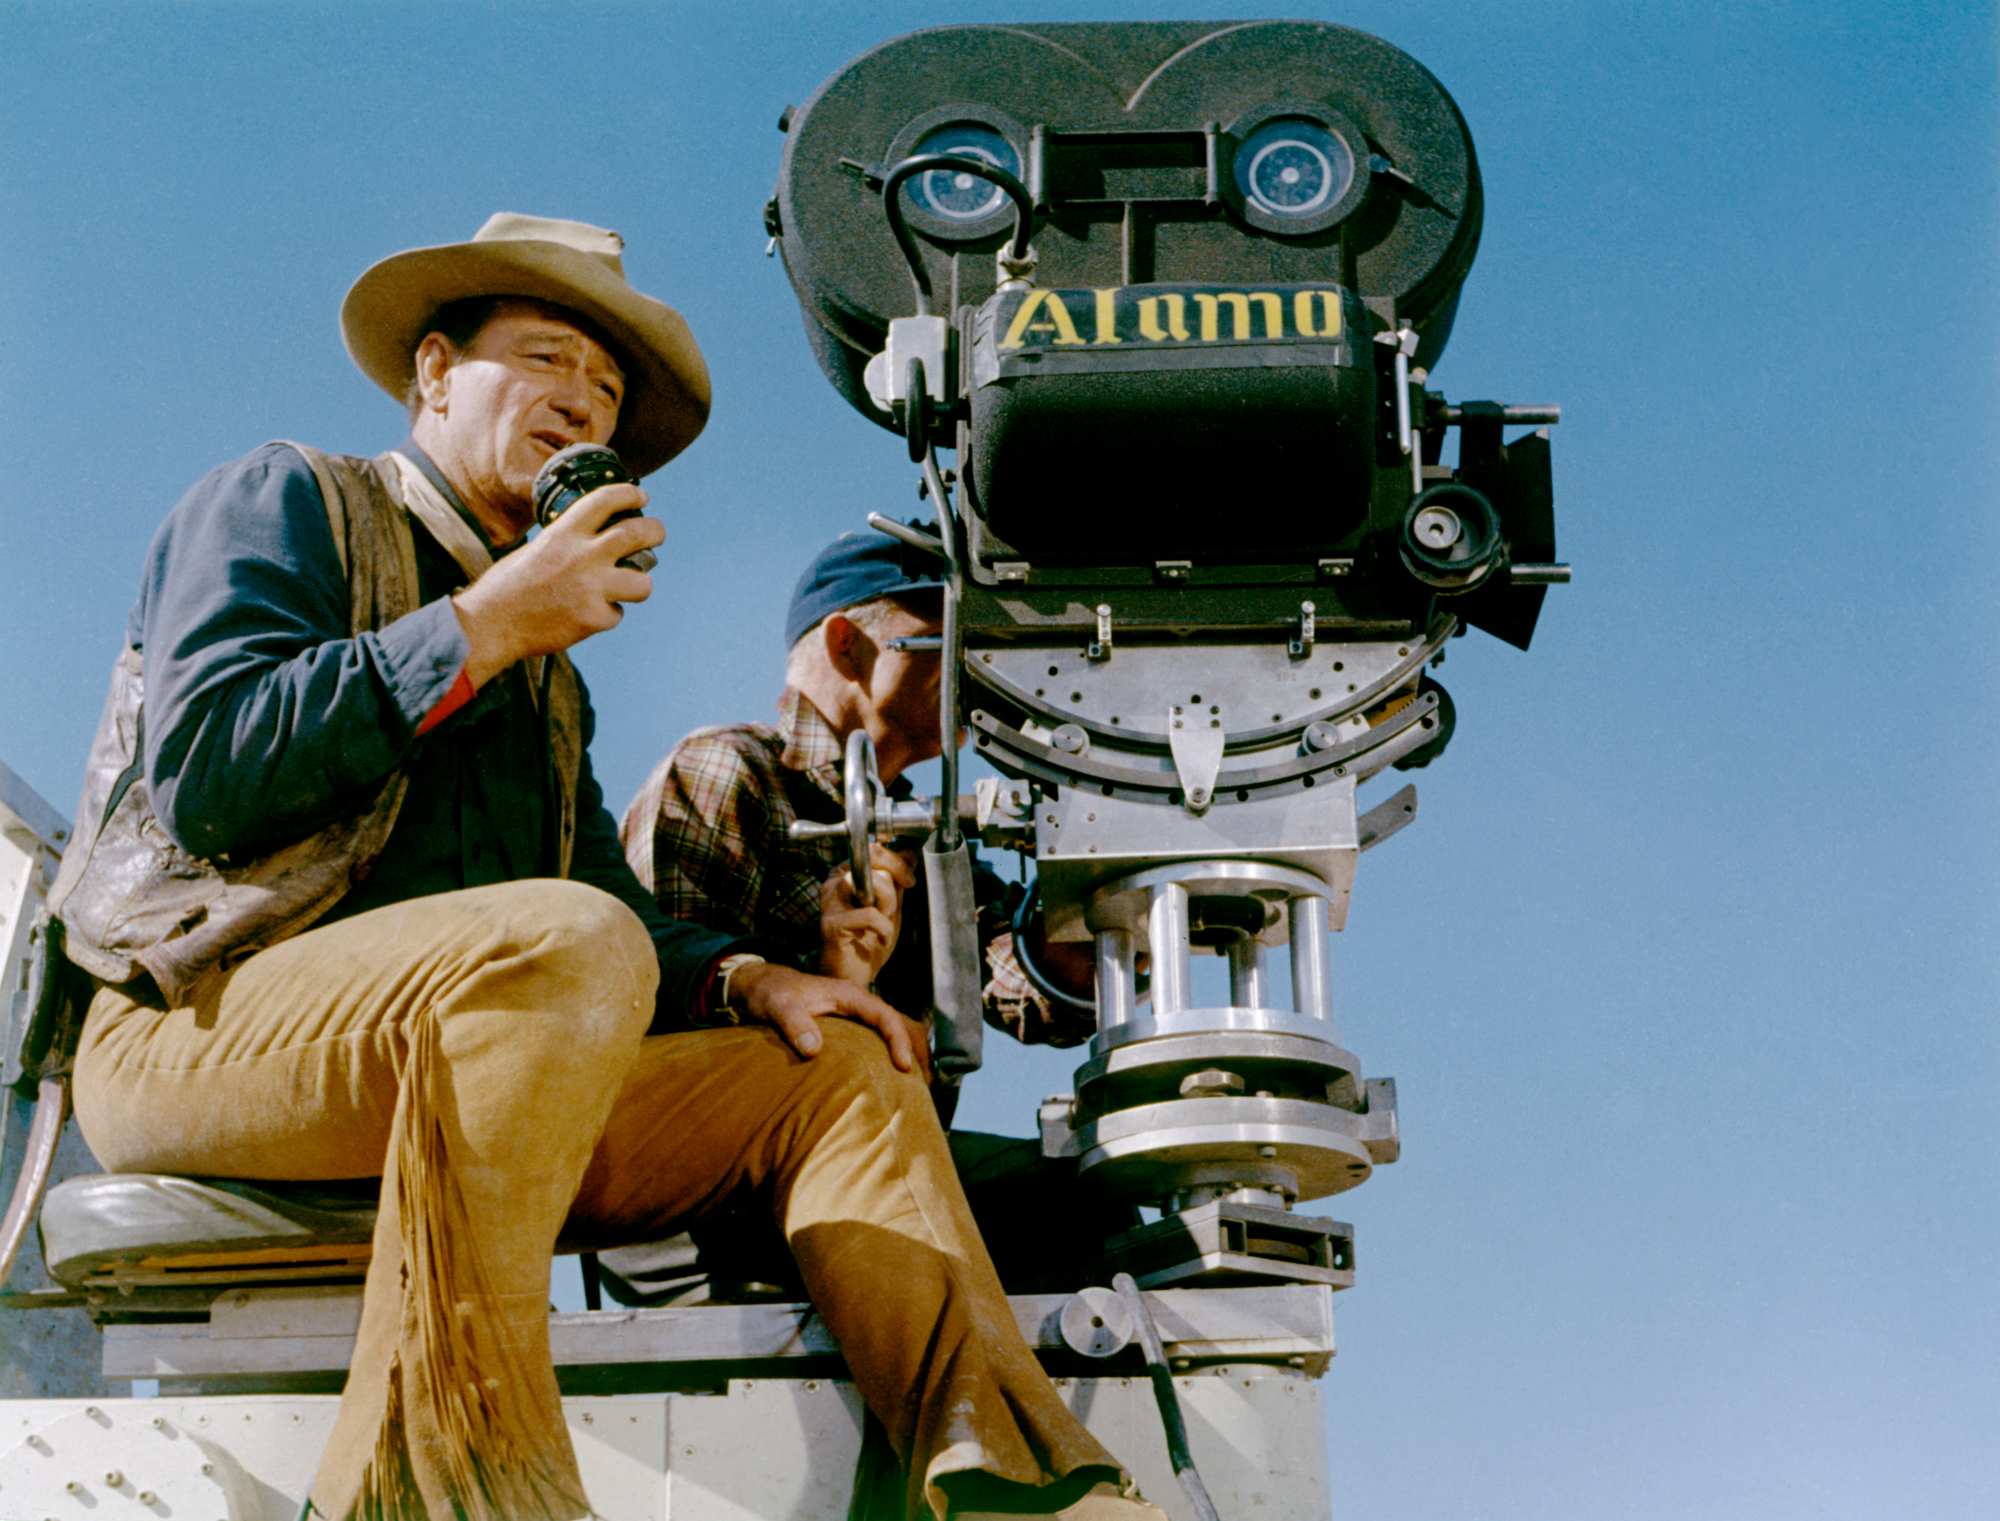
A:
x,y
1170,293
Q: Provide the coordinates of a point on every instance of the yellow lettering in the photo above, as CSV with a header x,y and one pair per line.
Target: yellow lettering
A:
x,y
1149,318
1107,317
1057,321
1210,307
1328,325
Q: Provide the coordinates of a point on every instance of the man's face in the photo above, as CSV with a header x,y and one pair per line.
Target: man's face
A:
x,y
528,384
902,692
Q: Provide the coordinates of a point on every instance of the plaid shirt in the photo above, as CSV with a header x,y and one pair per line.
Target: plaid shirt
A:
x,y
707,836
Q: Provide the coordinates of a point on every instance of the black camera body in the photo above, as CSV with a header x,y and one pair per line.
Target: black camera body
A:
x,y
1205,390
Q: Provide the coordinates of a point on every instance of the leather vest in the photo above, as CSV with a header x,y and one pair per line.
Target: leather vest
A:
x,y
132,901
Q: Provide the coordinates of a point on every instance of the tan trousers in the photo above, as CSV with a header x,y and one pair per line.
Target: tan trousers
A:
x,y
484,1051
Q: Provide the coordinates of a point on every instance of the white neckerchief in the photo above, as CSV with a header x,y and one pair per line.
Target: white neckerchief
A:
x,y
428,506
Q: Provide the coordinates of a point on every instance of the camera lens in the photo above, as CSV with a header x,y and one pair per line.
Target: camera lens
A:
x,y
954,194
1293,168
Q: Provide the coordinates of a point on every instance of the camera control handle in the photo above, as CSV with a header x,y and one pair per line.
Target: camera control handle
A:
x,y
870,814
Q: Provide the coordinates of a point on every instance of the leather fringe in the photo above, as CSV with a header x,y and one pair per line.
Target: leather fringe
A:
x,y
502,1459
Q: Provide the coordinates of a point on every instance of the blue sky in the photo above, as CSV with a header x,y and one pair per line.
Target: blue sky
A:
x,y
1687,972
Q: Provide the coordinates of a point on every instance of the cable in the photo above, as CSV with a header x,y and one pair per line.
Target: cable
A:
x,y
923,163
1031,966
1169,1402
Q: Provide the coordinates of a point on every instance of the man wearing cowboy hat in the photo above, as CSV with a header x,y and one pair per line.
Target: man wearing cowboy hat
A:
x,y
354,906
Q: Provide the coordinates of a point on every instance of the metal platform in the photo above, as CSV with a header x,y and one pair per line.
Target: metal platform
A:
x,y
291,1337
754,1450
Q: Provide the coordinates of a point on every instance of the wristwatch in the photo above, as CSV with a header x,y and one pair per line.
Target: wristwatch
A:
x,y
725,1011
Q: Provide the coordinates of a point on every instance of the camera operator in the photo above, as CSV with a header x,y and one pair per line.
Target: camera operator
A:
x,y
708,834
355,907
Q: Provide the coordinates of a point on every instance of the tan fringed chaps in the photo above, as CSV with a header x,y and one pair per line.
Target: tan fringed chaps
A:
x,y
484,1051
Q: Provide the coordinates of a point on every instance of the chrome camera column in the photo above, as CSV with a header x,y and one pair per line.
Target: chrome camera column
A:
x,y
1171,293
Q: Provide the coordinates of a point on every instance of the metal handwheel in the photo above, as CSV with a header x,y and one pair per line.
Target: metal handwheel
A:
x,y
861,785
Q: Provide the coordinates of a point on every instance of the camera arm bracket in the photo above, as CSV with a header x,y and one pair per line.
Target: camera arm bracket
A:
x,y
1196,745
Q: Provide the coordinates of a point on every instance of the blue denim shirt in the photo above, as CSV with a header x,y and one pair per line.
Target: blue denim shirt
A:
x,y
266,718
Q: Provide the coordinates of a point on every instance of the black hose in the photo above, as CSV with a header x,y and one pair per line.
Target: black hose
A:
x,y
1030,964
1168,1401
924,163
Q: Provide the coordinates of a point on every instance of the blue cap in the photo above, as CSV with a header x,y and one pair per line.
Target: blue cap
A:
x,y
857,568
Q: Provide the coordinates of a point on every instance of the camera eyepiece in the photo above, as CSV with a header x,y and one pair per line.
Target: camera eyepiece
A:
x,y
1451,538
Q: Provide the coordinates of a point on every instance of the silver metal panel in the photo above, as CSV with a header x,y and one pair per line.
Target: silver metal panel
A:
x,y
761,1450
25,818
1094,839
52,1351
274,1332
1132,696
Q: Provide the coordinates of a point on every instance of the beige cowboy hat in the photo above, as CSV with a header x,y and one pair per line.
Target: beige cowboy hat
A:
x,y
569,264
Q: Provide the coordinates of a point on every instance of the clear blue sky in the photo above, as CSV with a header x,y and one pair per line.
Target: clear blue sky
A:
x,y
1687,972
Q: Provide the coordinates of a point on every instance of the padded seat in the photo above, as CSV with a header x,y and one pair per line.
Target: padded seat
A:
x,y
137,1230
133,1230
